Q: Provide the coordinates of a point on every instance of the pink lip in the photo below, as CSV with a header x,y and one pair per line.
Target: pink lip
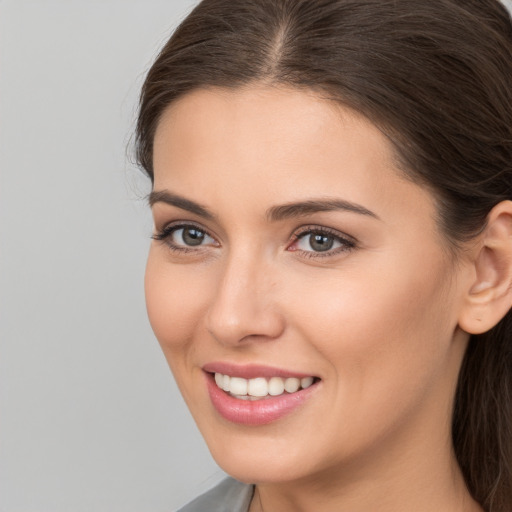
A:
x,y
250,371
257,412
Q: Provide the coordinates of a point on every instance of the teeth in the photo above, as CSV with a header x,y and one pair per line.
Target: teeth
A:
x,y
306,382
226,383
258,387
292,384
238,386
253,389
275,386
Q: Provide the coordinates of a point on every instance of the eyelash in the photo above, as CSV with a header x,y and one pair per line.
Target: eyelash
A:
x,y
347,243
165,236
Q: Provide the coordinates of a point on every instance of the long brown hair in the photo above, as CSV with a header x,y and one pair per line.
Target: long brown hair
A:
x,y
436,77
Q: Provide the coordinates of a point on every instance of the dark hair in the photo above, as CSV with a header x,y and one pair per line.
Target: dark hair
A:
x,y
436,77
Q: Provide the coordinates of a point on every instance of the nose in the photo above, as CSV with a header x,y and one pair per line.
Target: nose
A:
x,y
245,305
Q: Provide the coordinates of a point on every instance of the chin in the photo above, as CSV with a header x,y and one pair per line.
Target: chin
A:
x,y
259,470
255,458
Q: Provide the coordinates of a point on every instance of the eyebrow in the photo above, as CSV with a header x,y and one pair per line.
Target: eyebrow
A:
x,y
164,196
303,208
275,213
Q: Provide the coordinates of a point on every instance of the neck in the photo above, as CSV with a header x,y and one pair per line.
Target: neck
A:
x,y
444,491
412,468
416,473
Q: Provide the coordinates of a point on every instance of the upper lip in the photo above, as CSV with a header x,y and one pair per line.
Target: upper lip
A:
x,y
251,371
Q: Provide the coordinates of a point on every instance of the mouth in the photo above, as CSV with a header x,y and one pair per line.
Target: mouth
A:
x,y
257,395
260,387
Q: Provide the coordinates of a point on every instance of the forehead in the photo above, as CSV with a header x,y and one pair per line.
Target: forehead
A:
x,y
259,146
262,126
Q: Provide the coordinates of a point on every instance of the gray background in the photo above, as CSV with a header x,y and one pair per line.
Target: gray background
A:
x,y
90,419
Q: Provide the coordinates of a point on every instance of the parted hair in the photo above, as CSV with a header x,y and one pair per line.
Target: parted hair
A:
x,y
436,77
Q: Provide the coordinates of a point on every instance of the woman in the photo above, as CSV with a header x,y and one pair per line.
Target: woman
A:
x,y
331,272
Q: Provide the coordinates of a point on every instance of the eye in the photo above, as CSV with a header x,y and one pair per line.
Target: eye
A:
x,y
184,237
190,236
316,241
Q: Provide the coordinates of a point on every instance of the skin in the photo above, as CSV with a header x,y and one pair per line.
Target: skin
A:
x,y
376,322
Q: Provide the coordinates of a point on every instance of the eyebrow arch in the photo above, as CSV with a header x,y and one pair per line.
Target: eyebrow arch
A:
x,y
275,213
302,208
164,196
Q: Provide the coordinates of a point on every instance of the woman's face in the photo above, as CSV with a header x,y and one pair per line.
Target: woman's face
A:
x,y
290,253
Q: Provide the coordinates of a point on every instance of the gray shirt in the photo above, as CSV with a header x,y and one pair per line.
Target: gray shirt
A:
x,y
228,496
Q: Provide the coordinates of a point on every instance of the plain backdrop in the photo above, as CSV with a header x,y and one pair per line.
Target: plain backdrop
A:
x,y
90,418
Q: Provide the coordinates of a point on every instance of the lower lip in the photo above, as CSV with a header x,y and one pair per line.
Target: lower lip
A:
x,y
255,412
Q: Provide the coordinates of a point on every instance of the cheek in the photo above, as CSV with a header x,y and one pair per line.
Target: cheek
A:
x,y
385,333
175,299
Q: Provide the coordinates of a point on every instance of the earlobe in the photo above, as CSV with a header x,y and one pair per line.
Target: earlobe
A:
x,y
489,296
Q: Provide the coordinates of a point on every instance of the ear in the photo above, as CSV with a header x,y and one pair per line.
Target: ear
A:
x,y
489,296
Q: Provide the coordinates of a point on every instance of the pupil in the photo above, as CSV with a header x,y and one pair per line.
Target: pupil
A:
x,y
321,242
192,236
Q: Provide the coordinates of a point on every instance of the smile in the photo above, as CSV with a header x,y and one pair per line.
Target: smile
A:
x,y
260,387
257,395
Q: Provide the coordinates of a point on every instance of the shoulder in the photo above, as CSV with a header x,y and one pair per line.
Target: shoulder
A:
x,y
228,496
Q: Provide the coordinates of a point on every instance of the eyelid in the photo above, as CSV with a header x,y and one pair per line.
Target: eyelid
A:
x,y
164,233
316,228
348,242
